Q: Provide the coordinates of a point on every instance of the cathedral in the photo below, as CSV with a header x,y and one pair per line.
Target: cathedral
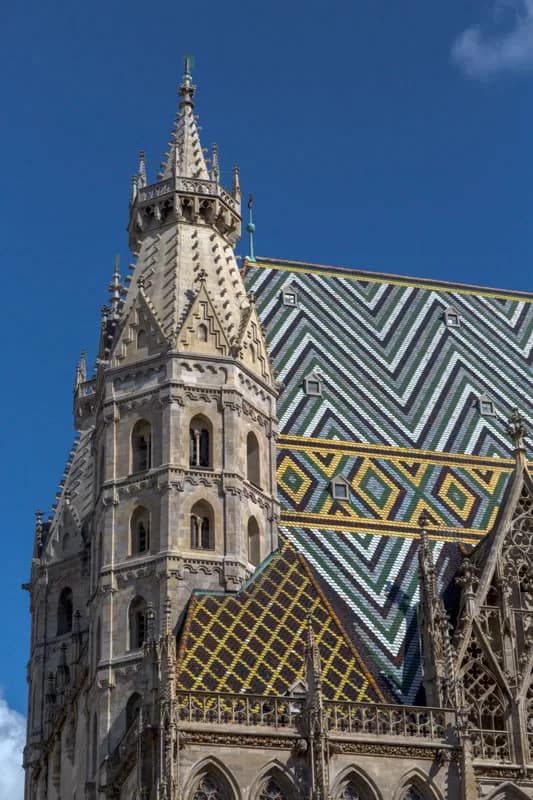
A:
x,y
291,554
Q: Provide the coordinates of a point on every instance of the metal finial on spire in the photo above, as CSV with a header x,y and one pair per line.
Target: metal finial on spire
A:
x,y
215,167
516,427
251,227
187,88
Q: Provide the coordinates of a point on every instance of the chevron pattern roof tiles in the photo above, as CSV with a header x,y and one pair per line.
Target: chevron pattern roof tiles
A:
x,y
416,380
399,418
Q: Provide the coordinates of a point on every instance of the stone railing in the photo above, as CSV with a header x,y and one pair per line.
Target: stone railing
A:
x,y
198,186
235,709
420,722
87,388
358,720
490,745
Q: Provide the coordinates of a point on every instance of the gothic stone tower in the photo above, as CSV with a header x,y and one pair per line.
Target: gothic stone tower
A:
x,y
170,486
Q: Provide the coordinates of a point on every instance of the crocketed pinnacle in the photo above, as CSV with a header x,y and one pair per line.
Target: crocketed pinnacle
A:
x,y
185,157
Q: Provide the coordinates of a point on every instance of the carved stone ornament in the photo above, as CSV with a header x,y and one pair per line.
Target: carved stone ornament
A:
x,y
242,740
392,751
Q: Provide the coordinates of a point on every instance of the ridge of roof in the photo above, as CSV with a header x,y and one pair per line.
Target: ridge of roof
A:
x,y
388,277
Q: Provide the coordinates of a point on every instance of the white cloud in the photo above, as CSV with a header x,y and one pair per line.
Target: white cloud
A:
x,y
483,54
12,736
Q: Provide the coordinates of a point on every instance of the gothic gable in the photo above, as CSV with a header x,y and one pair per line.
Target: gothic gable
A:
x,y
252,346
202,331
141,334
494,643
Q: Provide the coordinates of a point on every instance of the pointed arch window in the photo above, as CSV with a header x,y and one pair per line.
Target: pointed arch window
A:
x,y
142,339
200,443
137,623
64,611
486,707
133,708
273,788
412,793
141,446
202,332
355,788
140,531
253,466
202,528
254,542
211,785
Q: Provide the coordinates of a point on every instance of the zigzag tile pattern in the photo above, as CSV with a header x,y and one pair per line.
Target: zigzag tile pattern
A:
x,y
372,582
399,418
394,373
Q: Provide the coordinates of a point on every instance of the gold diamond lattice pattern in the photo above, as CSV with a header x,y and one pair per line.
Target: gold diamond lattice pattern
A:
x,y
253,642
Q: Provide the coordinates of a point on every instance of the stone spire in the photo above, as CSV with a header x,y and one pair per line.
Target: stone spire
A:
x,y
185,157
183,225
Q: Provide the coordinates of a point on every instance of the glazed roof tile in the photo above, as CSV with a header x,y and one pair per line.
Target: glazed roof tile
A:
x,y
253,642
399,418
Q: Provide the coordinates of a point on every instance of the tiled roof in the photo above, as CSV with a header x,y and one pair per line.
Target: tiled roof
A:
x,y
253,642
399,418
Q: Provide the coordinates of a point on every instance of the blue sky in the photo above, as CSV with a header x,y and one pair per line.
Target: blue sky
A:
x,y
389,136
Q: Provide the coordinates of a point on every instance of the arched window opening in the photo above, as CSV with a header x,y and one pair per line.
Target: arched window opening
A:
x,y
202,529
141,446
272,789
202,332
252,460
133,708
252,352
137,623
65,544
412,793
64,612
142,339
140,531
353,789
211,786
486,708
200,443
254,542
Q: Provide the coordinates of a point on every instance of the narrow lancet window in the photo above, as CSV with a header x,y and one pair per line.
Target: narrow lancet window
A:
x,y
64,612
200,443
202,533
137,623
253,472
141,446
